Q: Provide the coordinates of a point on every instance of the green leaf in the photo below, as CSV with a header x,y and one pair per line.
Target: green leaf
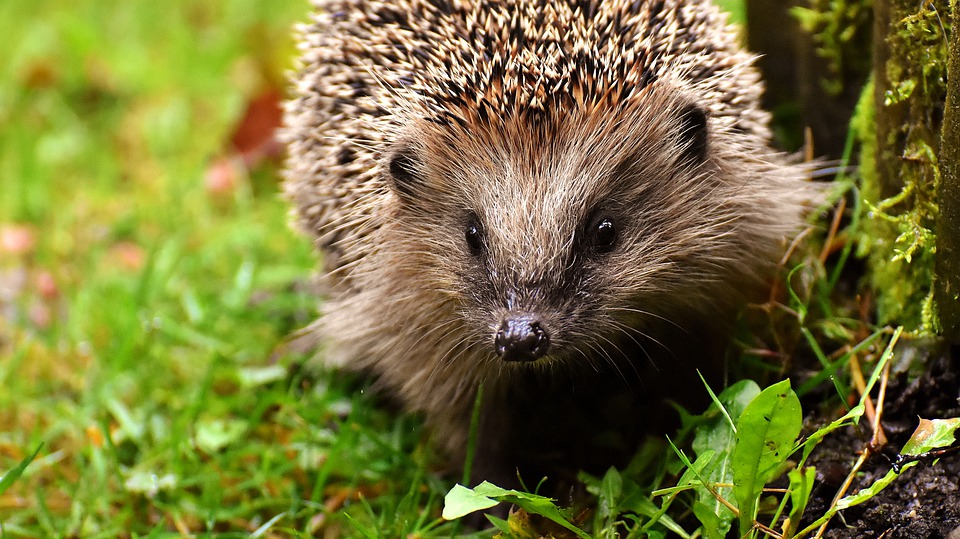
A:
x,y
717,436
931,434
531,503
10,477
461,501
149,483
856,499
212,435
711,524
251,377
867,493
500,524
766,433
801,485
657,516
692,477
850,418
610,489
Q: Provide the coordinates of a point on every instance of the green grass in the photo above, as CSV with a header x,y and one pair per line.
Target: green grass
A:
x,y
138,332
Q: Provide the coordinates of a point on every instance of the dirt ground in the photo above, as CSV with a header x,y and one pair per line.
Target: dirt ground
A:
x,y
924,502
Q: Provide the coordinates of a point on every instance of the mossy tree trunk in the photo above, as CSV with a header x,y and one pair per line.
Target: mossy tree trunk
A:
x,y
908,127
948,225
901,172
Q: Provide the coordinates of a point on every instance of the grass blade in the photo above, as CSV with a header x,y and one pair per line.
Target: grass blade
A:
x,y
10,477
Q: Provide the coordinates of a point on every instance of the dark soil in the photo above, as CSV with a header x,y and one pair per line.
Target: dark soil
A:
x,y
924,502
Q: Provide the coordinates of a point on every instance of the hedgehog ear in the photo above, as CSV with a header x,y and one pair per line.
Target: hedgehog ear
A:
x,y
693,132
404,168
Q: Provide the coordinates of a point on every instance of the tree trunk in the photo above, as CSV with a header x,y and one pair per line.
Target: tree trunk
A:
x,y
900,181
948,225
908,166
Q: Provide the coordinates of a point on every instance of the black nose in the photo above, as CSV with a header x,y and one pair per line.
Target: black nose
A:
x,y
521,339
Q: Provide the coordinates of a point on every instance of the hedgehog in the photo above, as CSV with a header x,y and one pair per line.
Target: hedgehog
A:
x,y
520,201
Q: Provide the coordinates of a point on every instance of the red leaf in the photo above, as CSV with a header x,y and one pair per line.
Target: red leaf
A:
x,y
255,136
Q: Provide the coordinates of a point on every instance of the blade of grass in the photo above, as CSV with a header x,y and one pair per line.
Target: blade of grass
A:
x,y
10,477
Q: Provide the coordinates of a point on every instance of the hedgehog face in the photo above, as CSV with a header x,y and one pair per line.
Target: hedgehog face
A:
x,y
558,238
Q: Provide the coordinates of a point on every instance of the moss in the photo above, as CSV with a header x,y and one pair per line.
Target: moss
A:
x,y
920,47
900,165
841,32
948,225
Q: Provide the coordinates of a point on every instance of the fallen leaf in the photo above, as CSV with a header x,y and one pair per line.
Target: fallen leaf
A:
x,y
255,135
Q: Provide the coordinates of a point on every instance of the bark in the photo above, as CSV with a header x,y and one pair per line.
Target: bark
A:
x,y
815,65
900,182
889,117
948,225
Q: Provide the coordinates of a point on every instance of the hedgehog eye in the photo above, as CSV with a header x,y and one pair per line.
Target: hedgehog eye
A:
x,y
603,234
474,236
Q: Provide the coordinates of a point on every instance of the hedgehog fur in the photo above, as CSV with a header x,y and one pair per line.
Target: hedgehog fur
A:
x,y
571,178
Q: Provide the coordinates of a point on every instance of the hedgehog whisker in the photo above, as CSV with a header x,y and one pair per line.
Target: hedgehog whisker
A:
x,y
613,362
652,314
630,330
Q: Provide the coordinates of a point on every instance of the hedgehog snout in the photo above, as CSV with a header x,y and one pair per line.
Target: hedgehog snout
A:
x,y
521,338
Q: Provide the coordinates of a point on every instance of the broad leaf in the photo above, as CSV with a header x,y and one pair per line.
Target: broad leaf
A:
x,y
766,433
